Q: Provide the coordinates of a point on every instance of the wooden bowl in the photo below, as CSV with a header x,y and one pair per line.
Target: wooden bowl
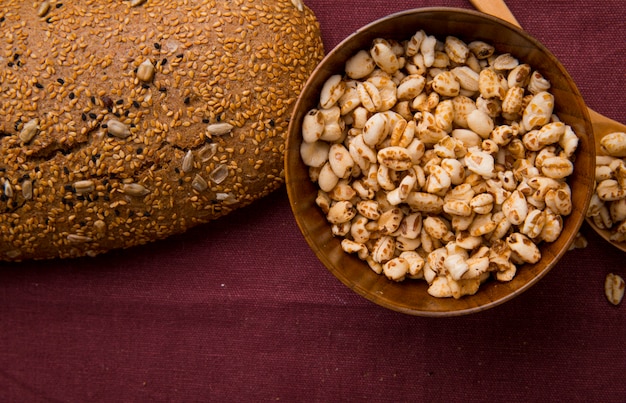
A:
x,y
411,296
603,126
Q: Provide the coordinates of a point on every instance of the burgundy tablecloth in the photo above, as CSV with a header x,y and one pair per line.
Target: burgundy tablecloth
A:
x,y
241,310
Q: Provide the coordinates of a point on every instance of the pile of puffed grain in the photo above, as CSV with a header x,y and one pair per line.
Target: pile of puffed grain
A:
x,y
440,160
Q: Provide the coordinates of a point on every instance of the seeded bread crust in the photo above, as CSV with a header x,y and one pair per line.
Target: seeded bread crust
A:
x,y
124,122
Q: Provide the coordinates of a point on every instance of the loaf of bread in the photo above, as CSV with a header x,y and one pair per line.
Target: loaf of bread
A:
x,y
124,122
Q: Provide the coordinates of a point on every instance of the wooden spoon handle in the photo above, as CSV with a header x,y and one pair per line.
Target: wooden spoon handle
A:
x,y
497,8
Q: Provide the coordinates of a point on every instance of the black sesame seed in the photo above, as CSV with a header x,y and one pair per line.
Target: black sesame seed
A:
x,y
83,117
16,56
66,170
93,115
61,81
68,188
59,5
117,114
19,63
205,121
117,212
2,19
140,150
49,20
119,102
136,104
177,170
80,198
145,86
93,99
164,62
108,102
132,125
126,113
163,89
38,85
157,46
104,126
272,123
186,100
10,64
180,55
72,95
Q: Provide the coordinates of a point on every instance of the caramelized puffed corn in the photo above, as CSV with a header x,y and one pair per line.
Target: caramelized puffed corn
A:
x,y
614,288
614,144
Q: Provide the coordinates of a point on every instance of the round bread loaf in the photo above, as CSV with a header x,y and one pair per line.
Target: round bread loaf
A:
x,y
124,122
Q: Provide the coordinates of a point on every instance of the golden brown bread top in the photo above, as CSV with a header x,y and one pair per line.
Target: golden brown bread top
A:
x,y
121,124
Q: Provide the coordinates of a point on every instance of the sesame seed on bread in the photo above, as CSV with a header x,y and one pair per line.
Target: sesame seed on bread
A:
x,y
124,122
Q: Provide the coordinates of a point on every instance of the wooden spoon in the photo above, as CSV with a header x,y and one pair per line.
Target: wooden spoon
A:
x,y
601,124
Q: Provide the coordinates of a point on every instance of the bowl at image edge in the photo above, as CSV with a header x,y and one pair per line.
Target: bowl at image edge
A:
x,y
411,296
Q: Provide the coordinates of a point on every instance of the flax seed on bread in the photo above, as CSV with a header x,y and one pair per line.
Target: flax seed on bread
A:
x,y
124,122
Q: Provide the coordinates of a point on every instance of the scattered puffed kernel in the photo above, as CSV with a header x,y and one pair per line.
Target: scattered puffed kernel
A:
x,y
614,288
